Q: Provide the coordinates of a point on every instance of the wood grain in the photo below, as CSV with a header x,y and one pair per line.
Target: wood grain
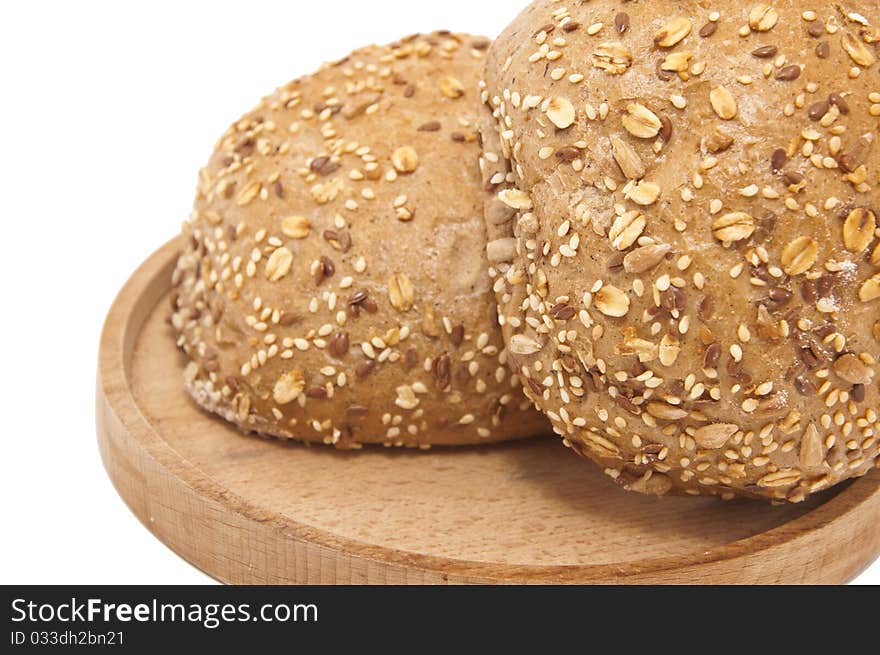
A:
x,y
250,510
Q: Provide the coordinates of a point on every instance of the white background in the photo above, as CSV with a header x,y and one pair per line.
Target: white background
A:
x,y
108,110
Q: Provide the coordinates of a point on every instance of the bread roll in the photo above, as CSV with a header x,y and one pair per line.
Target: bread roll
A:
x,y
334,285
693,291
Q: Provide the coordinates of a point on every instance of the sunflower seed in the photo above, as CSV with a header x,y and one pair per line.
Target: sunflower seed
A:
x,y
645,258
666,412
812,451
783,478
715,436
627,158
520,344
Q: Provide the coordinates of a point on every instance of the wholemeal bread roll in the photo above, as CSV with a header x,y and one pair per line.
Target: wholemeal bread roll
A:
x,y
692,291
334,288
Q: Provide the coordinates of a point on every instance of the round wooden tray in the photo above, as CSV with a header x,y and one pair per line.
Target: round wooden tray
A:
x,y
251,510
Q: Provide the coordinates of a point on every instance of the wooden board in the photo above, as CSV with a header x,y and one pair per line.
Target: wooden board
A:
x,y
249,510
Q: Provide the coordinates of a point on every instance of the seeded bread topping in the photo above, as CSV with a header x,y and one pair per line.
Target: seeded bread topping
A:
x,y
334,287
685,234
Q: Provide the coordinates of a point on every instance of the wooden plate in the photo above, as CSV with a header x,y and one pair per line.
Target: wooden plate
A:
x,y
250,510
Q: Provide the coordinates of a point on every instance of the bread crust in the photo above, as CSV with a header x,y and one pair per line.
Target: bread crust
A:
x,y
334,288
692,292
